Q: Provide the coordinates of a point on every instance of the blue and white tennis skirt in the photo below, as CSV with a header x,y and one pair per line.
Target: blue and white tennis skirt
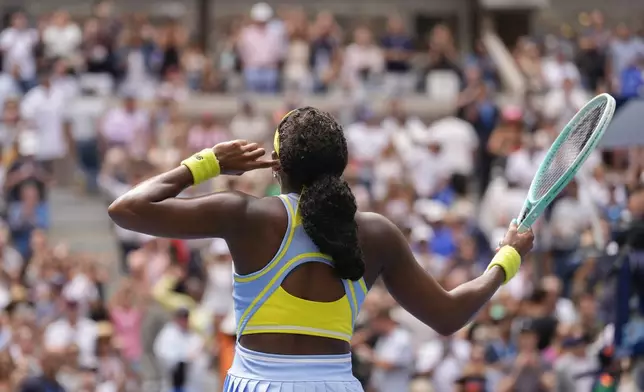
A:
x,y
253,371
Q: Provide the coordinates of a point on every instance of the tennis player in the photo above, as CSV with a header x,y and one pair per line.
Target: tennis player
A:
x,y
305,260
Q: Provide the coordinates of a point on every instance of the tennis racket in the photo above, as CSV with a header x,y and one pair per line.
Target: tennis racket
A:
x,y
566,156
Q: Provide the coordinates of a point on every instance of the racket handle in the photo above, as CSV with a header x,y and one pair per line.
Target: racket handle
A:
x,y
522,228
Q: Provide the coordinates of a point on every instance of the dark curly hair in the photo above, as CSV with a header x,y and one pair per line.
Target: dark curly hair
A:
x,y
313,155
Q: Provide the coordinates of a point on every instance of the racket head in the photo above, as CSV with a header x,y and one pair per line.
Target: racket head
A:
x,y
560,166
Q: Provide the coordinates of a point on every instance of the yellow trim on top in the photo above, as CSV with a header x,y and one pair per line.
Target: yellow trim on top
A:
x,y
294,329
280,254
275,278
353,299
363,286
298,217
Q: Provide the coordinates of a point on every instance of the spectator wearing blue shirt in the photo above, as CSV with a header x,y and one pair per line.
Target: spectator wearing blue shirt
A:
x,y
632,80
482,60
25,216
399,49
623,51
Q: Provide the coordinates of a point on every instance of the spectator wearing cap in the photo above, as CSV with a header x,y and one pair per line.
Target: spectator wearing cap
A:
x,y
261,50
180,352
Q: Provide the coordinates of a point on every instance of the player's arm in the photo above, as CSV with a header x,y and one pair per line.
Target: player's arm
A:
x,y
153,207
418,292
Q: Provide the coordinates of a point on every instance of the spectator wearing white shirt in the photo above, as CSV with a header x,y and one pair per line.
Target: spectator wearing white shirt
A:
x,y
458,141
403,129
261,49
43,109
393,355
73,329
366,139
428,170
442,360
9,88
363,60
557,69
180,352
522,164
563,102
18,43
62,38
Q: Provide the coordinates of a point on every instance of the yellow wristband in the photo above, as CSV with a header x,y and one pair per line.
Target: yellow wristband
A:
x,y
509,260
203,165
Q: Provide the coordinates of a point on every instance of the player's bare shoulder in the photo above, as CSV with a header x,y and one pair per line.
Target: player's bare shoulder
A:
x,y
377,236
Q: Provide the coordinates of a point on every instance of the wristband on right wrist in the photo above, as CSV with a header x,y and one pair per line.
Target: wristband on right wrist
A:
x,y
509,260
203,165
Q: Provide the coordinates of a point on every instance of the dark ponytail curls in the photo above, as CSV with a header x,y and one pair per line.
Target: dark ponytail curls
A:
x,y
313,155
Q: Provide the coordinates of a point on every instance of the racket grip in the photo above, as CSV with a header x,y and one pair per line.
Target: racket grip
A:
x,y
522,228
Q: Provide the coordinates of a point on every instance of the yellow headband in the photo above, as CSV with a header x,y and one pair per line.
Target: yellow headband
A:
x,y
276,138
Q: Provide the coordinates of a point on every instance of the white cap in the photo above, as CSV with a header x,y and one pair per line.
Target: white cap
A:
x,y
261,12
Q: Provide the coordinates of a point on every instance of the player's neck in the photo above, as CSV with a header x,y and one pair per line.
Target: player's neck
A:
x,y
289,188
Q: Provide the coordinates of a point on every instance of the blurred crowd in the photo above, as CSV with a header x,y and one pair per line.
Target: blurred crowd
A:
x,y
451,184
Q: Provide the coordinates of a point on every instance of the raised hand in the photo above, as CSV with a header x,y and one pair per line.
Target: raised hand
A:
x,y
239,156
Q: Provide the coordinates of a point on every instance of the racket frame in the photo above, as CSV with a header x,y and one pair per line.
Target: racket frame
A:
x,y
532,209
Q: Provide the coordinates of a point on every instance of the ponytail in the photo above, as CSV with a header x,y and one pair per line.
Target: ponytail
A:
x,y
313,155
328,210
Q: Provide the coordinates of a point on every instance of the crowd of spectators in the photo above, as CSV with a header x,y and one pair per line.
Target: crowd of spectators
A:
x,y
452,185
